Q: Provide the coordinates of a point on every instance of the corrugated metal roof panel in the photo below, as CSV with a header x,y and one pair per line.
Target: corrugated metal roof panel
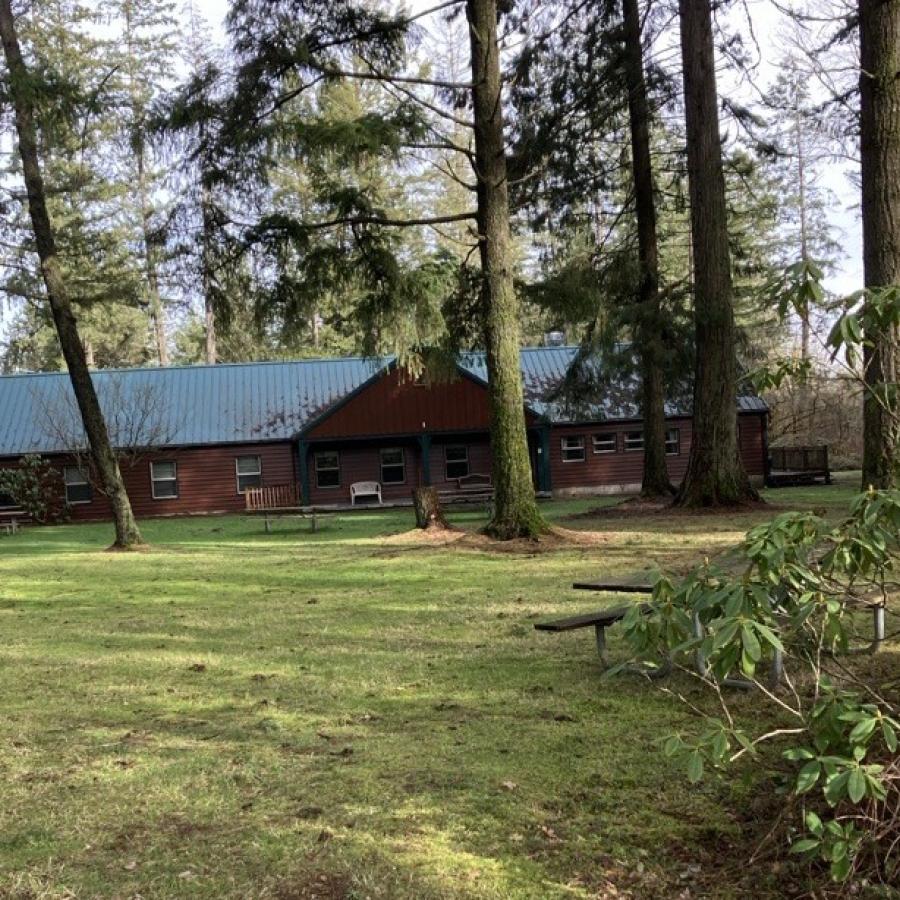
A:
x,y
247,402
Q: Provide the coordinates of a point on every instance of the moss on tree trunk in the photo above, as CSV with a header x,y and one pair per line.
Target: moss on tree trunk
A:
x,y
715,474
649,327
515,509
879,24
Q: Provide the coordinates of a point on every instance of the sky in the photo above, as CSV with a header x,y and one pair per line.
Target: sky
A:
x,y
769,30
767,34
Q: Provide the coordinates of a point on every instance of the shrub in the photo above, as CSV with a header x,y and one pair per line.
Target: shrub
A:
x,y
37,488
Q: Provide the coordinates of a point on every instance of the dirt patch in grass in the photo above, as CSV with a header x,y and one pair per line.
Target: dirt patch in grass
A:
x,y
557,538
635,507
321,886
424,537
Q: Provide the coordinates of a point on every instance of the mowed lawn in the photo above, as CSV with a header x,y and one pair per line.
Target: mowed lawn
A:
x,y
345,714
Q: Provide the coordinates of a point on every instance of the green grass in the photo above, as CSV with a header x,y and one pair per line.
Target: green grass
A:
x,y
236,714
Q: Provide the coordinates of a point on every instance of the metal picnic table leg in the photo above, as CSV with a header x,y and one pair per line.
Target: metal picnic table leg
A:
x,y
878,627
600,632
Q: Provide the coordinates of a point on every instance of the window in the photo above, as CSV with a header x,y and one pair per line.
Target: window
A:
x,y
249,472
78,488
573,449
6,500
164,480
634,440
328,469
673,442
456,461
393,466
605,442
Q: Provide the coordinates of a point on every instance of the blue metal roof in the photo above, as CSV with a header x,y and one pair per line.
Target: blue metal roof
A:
x,y
247,402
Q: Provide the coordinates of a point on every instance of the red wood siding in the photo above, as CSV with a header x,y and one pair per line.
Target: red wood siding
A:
x,y
624,468
363,463
206,480
394,404
753,444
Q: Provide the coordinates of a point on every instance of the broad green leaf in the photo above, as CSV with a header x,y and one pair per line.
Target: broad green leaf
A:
x,y
808,776
695,767
856,785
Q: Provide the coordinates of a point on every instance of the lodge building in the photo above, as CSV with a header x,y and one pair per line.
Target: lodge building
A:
x,y
198,437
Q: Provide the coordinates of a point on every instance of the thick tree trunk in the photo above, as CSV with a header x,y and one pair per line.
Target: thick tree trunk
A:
x,y
515,511
127,533
879,26
655,482
427,504
715,474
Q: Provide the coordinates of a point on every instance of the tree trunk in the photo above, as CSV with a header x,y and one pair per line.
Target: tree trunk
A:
x,y
715,474
515,511
429,513
655,482
127,533
206,257
157,310
879,28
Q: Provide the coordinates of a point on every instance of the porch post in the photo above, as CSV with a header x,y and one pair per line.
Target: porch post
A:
x,y
303,453
545,475
425,447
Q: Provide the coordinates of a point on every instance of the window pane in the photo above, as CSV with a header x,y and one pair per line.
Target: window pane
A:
x,y
573,449
605,442
79,493
673,442
248,481
163,471
78,490
74,475
328,472
393,470
457,454
328,478
164,489
248,465
634,440
326,461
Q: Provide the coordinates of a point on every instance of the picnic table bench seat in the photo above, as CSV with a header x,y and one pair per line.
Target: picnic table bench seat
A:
x,y
602,619
472,488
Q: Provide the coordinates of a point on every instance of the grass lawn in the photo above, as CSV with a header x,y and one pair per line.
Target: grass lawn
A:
x,y
297,715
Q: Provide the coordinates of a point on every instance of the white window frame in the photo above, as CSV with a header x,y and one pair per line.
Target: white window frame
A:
x,y
631,448
605,434
337,468
676,441
68,484
450,462
401,464
154,480
570,443
238,474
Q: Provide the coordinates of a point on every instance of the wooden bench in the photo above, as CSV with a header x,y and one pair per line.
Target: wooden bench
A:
x,y
474,488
